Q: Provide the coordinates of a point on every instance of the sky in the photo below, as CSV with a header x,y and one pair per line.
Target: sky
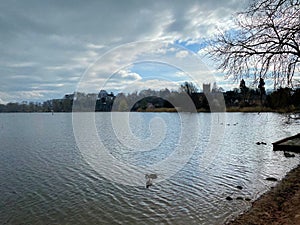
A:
x,y
51,48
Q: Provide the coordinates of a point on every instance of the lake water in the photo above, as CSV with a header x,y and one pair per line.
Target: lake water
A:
x,y
46,176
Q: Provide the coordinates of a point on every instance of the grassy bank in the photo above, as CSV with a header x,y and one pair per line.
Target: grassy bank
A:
x,y
250,109
158,110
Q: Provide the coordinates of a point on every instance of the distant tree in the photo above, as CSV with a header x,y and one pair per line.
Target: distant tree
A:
x,y
280,98
147,93
123,106
214,87
221,89
296,98
2,108
47,106
57,105
165,93
262,91
188,87
244,89
265,43
235,90
66,105
13,107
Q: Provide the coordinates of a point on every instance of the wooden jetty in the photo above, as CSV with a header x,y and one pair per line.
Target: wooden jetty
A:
x,y
291,144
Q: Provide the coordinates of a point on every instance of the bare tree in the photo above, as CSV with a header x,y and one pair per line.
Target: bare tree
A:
x,y
188,87
265,43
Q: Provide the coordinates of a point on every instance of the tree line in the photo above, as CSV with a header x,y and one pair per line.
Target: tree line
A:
x,y
187,97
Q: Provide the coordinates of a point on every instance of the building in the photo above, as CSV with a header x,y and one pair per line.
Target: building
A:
x,y
206,88
104,101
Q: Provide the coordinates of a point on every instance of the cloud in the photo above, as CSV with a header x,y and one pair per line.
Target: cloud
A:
x,y
93,46
128,75
56,41
30,96
181,54
22,64
154,84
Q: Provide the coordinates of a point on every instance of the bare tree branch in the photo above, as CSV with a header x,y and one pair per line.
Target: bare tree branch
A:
x,y
266,43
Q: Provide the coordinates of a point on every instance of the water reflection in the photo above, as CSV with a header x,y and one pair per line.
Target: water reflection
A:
x,y
45,178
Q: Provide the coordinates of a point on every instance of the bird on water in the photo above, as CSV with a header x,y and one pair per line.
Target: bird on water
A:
x,y
150,178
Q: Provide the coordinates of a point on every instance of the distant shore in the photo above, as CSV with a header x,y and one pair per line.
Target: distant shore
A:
x,y
246,109
174,110
257,109
280,205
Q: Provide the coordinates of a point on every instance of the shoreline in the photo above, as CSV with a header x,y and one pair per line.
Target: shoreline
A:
x,y
231,109
279,205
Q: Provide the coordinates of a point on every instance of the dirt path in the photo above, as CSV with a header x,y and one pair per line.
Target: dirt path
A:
x,y
281,205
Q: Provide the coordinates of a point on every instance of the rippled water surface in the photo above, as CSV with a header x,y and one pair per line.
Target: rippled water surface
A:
x,y
45,178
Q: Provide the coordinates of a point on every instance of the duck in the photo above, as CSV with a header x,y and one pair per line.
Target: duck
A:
x,y
150,178
288,155
261,143
149,183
